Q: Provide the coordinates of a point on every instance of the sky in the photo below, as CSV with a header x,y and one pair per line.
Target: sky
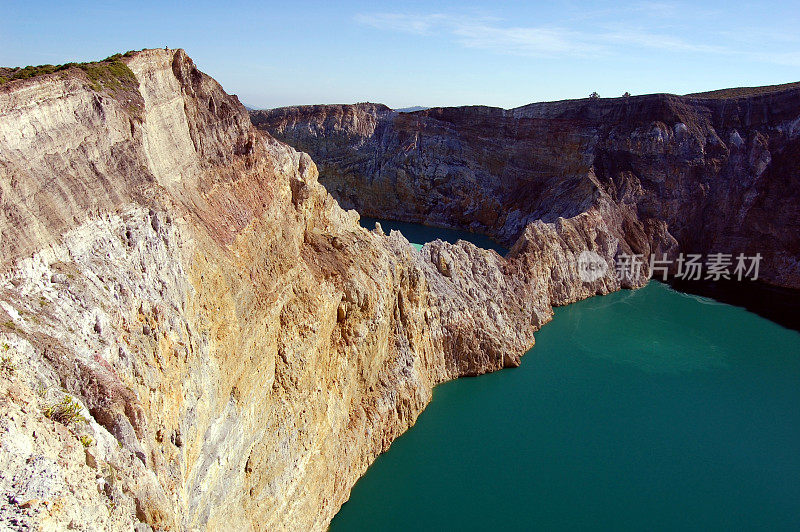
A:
x,y
404,54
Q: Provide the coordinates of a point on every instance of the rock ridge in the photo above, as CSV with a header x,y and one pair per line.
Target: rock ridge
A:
x,y
706,173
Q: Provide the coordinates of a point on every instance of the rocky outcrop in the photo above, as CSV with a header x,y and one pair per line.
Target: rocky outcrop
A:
x,y
194,334
715,173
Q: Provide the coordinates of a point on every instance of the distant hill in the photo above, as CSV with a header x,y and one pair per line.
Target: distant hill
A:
x,y
411,109
739,92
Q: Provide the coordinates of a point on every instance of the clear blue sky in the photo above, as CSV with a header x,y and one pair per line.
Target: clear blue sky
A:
x,y
427,53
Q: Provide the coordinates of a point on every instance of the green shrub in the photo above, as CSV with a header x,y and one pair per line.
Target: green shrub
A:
x,y
67,412
110,76
86,441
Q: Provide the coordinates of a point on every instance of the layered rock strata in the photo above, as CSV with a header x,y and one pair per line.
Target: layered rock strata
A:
x,y
706,173
194,334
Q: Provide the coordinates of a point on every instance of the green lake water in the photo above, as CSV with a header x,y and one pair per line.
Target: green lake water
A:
x,y
419,234
640,410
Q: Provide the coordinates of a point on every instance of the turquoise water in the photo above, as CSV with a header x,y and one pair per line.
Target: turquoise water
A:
x,y
419,234
640,410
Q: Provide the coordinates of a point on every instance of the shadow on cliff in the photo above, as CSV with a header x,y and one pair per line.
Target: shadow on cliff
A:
x,y
781,305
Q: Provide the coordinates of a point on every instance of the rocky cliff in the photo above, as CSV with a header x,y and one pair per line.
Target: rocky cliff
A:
x,y
194,334
706,173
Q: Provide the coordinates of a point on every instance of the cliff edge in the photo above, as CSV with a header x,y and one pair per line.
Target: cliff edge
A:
x,y
194,334
698,174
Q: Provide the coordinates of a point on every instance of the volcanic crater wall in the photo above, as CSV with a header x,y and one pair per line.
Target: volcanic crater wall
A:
x,y
195,335
695,174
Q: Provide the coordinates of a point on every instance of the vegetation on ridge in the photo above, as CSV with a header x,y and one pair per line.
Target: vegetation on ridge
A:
x,y
111,74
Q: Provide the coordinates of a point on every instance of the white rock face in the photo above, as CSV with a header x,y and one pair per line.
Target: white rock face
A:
x,y
167,144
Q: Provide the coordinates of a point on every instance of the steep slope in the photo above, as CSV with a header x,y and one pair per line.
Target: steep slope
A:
x,y
711,173
195,335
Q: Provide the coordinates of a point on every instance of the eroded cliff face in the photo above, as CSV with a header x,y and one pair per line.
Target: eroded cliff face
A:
x,y
669,174
239,347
